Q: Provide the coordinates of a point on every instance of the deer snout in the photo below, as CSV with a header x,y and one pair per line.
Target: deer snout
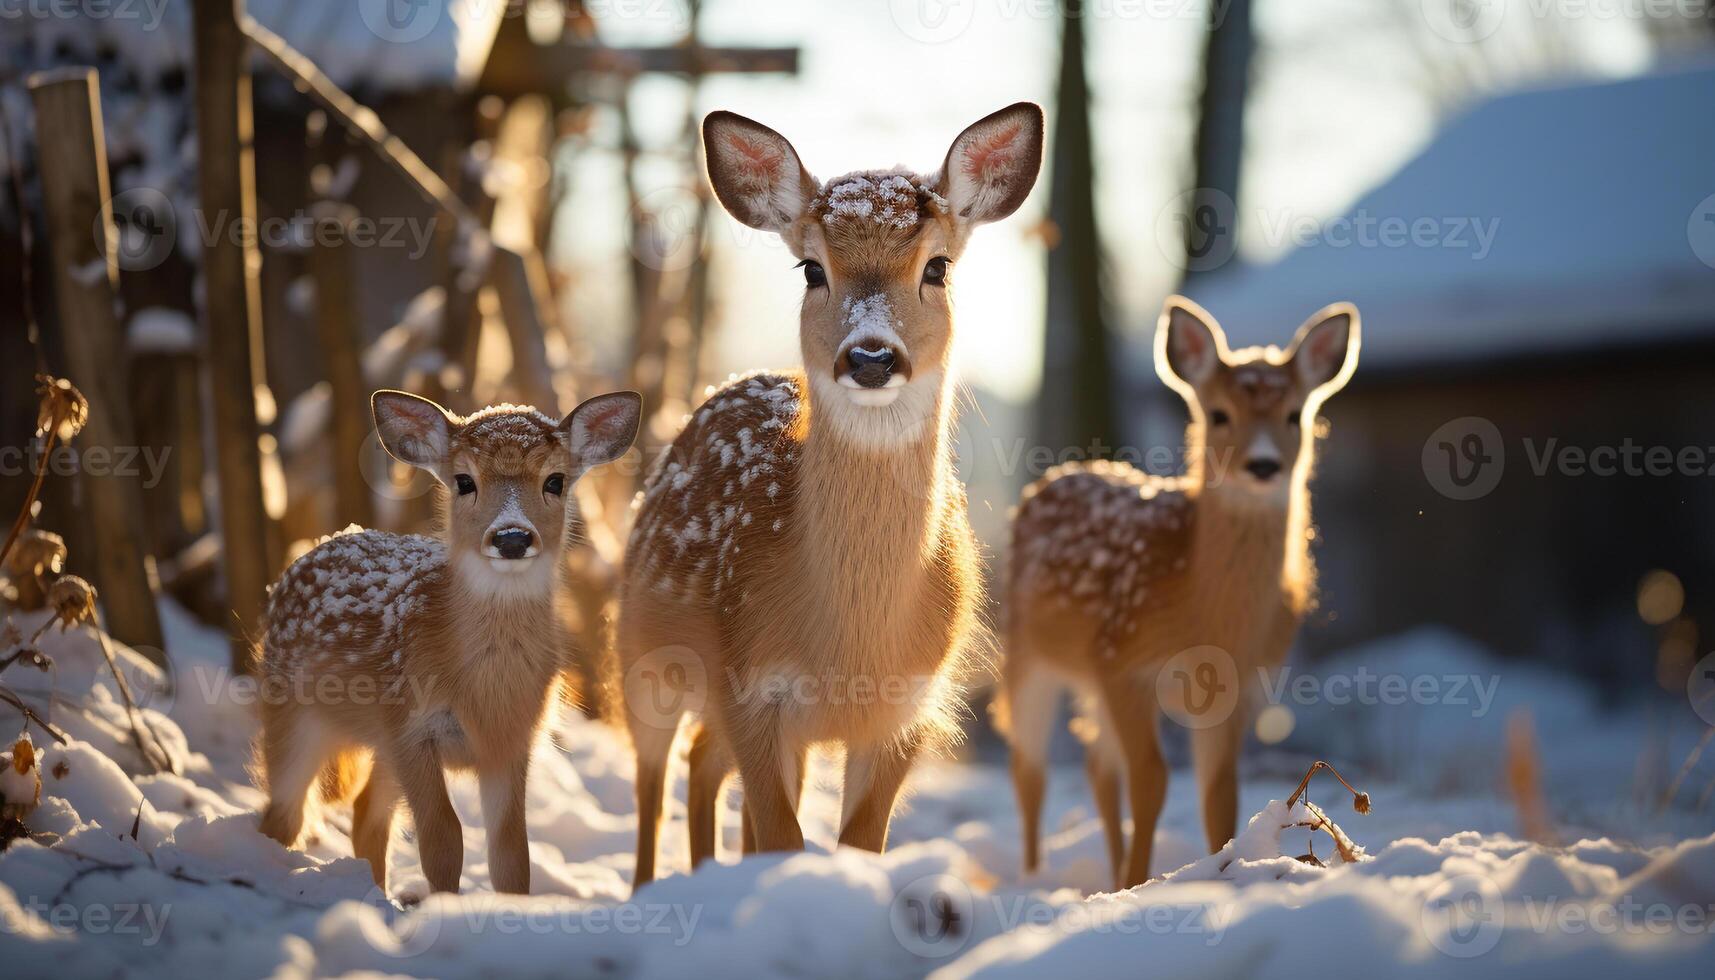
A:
x,y
1263,469
512,543
873,371
1262,459
870,368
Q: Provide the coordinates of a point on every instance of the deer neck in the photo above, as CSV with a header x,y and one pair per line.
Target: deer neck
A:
x,y
1242,537
872,491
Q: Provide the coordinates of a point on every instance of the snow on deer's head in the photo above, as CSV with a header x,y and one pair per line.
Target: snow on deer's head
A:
x,y
1253,411
509,470
878,249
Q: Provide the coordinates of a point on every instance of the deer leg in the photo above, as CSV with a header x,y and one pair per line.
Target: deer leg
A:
x,y
1215,756
1132,712
503,787
295,747
372,820
653,746
440,840
1032,700
769,806
1104,760
710,765
869,804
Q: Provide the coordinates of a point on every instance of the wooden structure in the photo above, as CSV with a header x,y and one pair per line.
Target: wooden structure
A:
x,y
248,281
75,196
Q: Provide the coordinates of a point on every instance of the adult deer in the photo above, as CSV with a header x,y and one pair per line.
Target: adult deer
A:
x,y
801,563
1140,592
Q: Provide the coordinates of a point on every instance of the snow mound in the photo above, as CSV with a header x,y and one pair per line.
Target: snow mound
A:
x,y
131,871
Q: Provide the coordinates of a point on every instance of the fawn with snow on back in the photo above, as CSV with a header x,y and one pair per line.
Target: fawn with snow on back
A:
x,y
1140,592
801,561
391,657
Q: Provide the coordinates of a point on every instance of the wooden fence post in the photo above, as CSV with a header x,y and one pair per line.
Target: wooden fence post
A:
x,y
232,307
340,330
520,281
81,235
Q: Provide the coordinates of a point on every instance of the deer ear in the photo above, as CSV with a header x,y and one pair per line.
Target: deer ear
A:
x,y
1189,345
993,164
602,428
414,430
1324,353
755,172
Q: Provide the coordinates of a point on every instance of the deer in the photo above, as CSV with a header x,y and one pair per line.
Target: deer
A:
x,y
387,659
1140,593
800,557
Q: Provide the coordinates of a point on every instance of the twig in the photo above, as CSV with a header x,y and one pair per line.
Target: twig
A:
x,y
1360,801
30,714
23,518
1686,767
139,724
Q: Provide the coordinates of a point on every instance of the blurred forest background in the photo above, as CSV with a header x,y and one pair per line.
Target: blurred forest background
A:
x,y
1517,195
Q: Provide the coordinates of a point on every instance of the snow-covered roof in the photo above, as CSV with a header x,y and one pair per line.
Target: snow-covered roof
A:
x,y
1600,200
362,44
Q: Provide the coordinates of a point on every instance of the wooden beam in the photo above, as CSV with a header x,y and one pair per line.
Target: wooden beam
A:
x,y
76,198
358,119
232,306
520,281
551,67
339,326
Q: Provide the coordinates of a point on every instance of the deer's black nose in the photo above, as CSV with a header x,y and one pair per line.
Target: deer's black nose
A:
x,y
870,369
1263,469
513,542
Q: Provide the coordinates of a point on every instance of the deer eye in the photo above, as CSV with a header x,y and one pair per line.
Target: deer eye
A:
x,y
1292,418
1219,417
814,274
555,484
464,483
935,273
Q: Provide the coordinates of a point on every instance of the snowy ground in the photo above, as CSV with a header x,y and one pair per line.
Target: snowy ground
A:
x,y
1446,886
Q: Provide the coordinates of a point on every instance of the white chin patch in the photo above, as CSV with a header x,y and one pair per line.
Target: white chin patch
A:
x,y
512,566
881,397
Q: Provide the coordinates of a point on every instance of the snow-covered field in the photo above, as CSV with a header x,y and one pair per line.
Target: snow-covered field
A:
x,y
1448,884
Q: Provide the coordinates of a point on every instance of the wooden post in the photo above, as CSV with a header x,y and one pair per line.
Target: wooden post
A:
x,y
78,204
466,250
339,326
520,281
232,306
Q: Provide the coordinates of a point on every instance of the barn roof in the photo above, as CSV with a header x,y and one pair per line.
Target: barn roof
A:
x,y
365,45
1601,199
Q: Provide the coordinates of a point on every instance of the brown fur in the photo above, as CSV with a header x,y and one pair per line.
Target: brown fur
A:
x,y
388,658
802,553
1115,572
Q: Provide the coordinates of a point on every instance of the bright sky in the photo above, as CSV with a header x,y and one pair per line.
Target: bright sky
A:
x,y
1346,91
